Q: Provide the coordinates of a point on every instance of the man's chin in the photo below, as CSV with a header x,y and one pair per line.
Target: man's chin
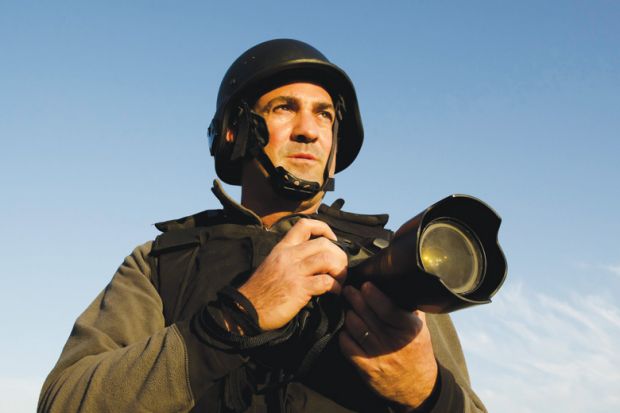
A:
x,y
307,174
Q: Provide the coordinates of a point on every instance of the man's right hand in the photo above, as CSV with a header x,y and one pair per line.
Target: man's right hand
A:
x,y
305,263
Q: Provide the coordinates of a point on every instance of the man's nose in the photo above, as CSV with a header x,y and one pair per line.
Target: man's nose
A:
x,y
306,129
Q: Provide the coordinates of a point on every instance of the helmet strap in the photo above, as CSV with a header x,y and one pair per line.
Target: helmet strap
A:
x,y
329,182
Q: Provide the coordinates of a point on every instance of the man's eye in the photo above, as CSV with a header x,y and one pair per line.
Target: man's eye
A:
x,y
283,107
326,115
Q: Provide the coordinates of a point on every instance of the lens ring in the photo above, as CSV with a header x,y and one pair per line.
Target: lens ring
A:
x,y
449,250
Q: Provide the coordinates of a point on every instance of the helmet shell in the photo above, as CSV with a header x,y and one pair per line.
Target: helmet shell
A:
x,y
267,66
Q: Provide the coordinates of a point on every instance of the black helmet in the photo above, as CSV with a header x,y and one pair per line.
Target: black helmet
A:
x,y
267,66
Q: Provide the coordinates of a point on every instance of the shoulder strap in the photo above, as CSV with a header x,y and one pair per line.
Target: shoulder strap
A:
x,y
179,236
177,239
359,225
202,219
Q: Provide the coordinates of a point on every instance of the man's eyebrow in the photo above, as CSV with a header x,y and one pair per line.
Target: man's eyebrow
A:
x,y
289,100
323,106
293,101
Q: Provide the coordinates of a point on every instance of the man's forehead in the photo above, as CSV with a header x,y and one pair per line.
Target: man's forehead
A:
x,y
297,91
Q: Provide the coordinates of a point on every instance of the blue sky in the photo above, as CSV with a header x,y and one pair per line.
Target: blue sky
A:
x,y
103,116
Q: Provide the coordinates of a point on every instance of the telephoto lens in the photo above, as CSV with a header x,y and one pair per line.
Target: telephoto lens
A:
x,y
444,259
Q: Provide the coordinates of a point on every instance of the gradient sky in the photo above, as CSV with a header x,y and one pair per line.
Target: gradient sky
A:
x,y
103,116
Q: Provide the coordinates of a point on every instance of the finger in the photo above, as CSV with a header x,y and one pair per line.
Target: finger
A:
x,y
318,245
387,311
304,229
349,346
355,298
353,352
361,333
330,260
322,283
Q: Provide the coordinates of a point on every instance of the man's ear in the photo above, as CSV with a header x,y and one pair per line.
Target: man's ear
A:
x,y
230,136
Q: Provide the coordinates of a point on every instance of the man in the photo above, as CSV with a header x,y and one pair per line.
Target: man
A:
x,y
245,308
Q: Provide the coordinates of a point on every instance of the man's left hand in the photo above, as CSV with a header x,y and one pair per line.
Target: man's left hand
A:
x,y
390,347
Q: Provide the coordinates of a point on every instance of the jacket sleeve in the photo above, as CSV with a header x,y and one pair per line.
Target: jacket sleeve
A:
x,y
121,357
455,392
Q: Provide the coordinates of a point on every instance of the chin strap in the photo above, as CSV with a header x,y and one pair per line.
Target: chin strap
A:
x,y
251,138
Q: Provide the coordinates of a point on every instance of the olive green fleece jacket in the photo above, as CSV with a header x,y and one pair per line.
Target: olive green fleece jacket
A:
x,y
120,357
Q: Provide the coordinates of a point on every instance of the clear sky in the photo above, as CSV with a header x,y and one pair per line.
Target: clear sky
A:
x,y
103,116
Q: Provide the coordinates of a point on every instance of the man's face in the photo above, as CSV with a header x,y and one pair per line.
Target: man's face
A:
x,y
299,118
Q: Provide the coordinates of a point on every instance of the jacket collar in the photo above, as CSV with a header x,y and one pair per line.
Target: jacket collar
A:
x,y
232,207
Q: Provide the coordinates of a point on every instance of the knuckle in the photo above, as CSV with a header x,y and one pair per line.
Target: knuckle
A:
x,y
323,224
304,222
325,243
339,260
319,284
323,258
343,256
277,258
331,261
328,281
350,320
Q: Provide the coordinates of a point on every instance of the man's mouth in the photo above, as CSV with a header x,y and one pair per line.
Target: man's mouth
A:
x,y
301,155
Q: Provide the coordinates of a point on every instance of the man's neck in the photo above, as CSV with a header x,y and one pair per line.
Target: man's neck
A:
x,y
258,195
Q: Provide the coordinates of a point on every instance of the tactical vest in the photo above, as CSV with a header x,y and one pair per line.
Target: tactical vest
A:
x,y
196,256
